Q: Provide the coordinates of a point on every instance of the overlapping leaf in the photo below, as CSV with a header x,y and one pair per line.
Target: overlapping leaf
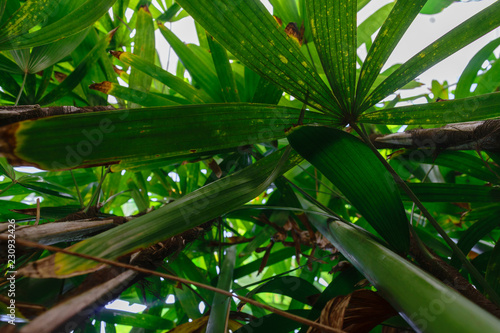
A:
x,y
291,286
84,16
218,314
144,47
190,211
441,192
249,32
406,287
224,71
178,85
79,72
470,72
444,112
474,234
462,35
135,96
23,19
53,143
353,168
203,74
334,27
402,15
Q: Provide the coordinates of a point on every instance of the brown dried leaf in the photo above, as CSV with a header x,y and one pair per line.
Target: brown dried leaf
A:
x,y
60,76
357,312
280,22
265,258
341,266
212,164
292,30
103,87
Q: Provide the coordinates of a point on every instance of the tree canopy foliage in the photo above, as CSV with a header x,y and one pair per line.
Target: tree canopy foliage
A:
x,y
272,166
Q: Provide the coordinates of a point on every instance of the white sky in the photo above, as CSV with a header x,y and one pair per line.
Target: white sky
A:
x,y
423,31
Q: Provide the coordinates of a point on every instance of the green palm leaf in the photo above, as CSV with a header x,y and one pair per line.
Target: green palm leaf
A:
x,y
464,34
334,29
426,303
189,130
353,168
188,212
248,31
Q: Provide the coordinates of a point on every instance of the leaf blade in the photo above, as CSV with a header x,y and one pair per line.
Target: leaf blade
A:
x,y
224,70
401,16
79,19
163,76
462,35
193,129
444,112
353,168
252,35
80,71
181,215
144,47
334,30
203,75
405,286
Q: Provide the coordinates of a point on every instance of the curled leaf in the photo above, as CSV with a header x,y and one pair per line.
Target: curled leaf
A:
x,y
359,311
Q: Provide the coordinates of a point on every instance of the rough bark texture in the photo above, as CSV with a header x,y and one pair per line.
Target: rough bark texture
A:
x,y
476,135
451,277
13,114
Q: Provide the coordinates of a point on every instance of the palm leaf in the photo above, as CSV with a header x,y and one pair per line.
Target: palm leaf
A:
x,y
144,47
462,35
187,130
410,290
249,32
402,15
174,218
444,112
70,24
353,168
334,29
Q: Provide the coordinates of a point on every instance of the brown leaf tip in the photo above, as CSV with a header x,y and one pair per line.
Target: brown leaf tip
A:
x,y
145,8
104,86
112,32
118,70
280,22
292,30
116,54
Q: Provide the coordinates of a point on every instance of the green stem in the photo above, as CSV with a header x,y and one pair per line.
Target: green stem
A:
x,y
97,192
316,202
217,322
14,182
82,205
472,270
22,88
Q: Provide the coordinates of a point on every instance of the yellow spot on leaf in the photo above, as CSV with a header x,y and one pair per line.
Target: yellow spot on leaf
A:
x,y
283,59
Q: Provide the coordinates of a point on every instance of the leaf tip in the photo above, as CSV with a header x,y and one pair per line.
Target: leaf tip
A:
x,y
278,20
116,54
104,86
